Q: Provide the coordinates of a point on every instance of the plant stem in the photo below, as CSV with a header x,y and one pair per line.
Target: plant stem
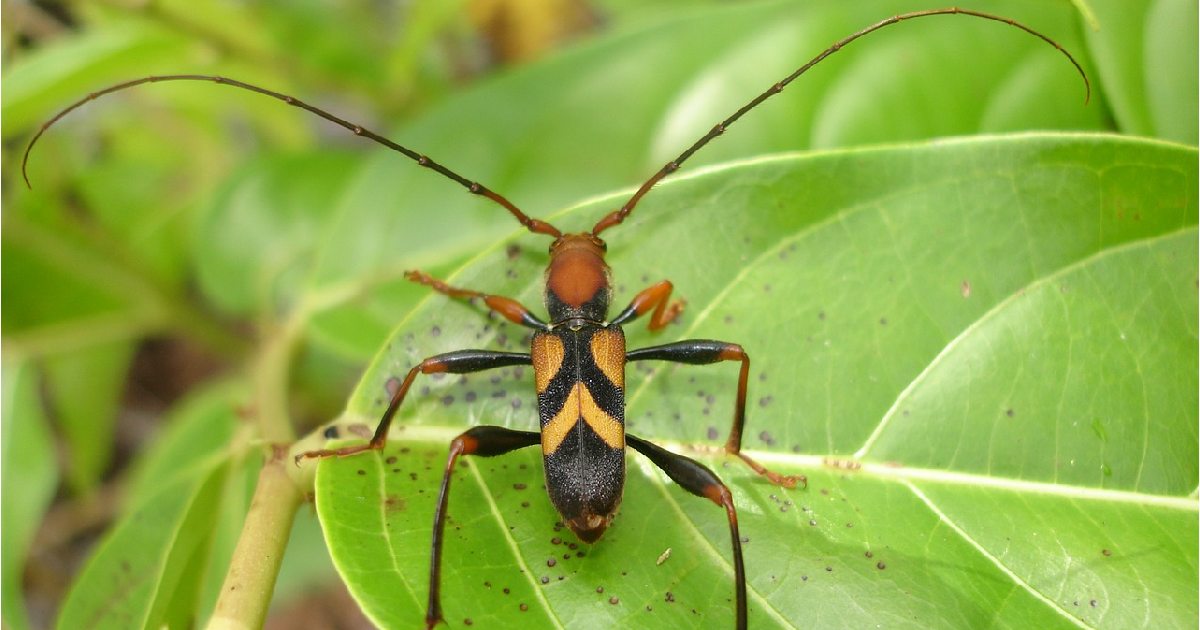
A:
x,y
250,582
246,593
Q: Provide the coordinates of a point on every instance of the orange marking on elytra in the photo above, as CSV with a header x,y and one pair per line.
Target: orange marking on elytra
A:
x,y
580,404
547,354
608,351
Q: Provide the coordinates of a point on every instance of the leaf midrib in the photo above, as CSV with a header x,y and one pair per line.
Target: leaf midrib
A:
x,y
441,435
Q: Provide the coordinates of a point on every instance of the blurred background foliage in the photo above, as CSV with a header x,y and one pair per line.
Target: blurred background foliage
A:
x,y
181,240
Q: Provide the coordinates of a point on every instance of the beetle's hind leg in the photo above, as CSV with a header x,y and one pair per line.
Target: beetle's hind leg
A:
x,y
457,362
509,308
486,442
702,352
697,479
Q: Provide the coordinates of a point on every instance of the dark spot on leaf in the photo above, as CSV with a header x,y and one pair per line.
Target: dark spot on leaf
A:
x,y
330,433
390,460
883,321
614,601
361,472
765,400
551,562
512,251
524,607
712,433
545,580
391,386
880,565
599,589
1107,552
670,598
519,486
868,554
812,522
435,331
1009,412
469,396
447,400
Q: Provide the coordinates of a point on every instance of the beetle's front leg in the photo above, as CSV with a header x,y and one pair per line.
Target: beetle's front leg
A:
x,y
655,297
702,352
509,308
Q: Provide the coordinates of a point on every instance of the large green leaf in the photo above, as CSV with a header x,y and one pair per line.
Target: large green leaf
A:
x,y
982,353
1145,54
151,569
29,475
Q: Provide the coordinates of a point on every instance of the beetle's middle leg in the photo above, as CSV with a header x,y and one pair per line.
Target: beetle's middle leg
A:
x,y
703,352
509,308
457,362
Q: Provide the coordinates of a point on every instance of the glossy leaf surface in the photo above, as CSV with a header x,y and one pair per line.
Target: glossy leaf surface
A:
x,y
980,351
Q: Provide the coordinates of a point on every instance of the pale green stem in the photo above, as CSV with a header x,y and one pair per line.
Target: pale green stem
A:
x,y
249,584
246,593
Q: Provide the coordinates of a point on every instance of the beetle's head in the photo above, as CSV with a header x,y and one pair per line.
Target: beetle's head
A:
x,y
578,281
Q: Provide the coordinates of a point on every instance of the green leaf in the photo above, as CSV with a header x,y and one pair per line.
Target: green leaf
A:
x,y
897,303
255,244
150,569
60,298
84,389
42,81
30,476
1145,53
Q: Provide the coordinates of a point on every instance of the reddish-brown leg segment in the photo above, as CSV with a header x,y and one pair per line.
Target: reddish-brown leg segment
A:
x,y
484,441
702,482
654,297
458,362
509,308
701,352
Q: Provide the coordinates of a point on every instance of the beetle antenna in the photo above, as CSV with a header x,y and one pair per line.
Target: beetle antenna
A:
x,y
619,215
533,225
